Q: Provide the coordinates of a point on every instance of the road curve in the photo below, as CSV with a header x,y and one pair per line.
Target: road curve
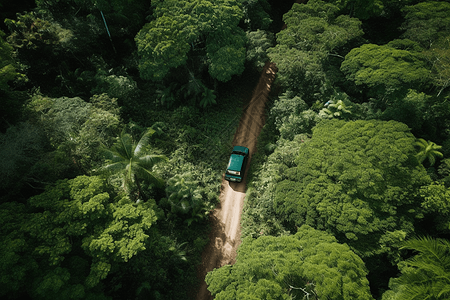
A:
x,y
225,220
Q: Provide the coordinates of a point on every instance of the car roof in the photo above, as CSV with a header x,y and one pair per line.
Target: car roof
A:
x,y
236,162
240,149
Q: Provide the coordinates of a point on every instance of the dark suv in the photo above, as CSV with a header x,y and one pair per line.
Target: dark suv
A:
x,y
236,165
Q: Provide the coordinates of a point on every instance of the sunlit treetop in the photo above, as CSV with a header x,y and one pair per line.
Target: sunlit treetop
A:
x,y
307,265
182,26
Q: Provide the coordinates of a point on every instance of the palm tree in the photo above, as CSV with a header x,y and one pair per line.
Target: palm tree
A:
x,y
335,109
427,274
428,150
133,161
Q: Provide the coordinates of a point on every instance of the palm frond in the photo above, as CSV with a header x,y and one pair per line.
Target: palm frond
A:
x,y
113,156
427,149
414,276
428,246
114,167
421,143
132,160
431,159
149,160
444,290
428,272
130,170
143,141
124,145
415,292
147,174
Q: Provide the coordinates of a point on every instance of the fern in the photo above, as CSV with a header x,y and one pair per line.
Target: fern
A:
x,y
427,274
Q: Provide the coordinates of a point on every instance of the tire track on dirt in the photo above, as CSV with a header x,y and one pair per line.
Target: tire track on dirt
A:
x,y
225,220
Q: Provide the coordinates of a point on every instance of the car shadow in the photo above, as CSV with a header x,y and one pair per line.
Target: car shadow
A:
x,y
238,186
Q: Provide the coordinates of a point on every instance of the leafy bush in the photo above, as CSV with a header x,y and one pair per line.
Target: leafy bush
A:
x,y
77,129
184,198
120,87
257,44
259,216
191,191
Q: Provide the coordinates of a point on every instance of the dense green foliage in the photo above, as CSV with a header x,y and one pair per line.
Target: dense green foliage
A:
x,y
117,119
330,155
358,180
314,33
427,22
69,238
385,69
7,68
182,26
310,264
426,275
79,126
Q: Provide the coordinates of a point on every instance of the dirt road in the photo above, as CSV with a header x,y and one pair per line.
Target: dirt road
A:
x,y
225,221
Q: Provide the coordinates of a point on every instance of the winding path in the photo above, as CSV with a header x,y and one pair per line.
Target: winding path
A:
x,y
225,220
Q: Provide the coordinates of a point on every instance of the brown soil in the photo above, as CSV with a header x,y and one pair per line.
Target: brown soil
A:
x,y
225,220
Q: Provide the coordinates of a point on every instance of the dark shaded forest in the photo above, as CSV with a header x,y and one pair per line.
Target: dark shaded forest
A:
x,y
117,121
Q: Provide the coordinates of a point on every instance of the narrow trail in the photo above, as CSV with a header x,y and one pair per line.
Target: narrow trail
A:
x,y
225,221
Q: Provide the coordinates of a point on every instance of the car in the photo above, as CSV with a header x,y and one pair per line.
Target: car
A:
x,y
237,163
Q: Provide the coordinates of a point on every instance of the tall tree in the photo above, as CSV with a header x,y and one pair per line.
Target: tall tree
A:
x,y
181,27
307,265
386,69
39,42
317,26
133,161
315,31
427,22
70,238
358,180
77,129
